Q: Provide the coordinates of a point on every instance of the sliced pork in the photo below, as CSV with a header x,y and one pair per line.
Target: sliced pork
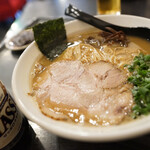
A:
x,y
98,91
108,75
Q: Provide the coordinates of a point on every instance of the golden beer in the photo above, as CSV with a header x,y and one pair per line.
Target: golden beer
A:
x,y
109,6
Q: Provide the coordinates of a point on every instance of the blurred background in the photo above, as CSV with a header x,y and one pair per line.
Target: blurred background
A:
x,y
27,10
24,11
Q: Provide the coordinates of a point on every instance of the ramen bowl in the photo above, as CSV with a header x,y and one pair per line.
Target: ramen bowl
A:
x,y
21,86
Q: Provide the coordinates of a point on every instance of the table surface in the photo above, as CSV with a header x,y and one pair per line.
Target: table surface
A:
x,y
54,9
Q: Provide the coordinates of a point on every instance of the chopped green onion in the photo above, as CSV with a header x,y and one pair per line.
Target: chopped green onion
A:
x,y
140,78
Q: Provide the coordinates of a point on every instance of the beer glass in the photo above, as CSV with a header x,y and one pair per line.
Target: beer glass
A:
x,y
109,6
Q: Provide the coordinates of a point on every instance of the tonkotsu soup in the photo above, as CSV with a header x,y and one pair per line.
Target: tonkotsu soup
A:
x,y
87,84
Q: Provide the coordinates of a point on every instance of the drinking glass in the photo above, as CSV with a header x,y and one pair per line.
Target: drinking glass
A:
x,y
109,6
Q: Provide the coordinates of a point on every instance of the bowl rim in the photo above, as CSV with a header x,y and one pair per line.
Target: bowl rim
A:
x,y
77,132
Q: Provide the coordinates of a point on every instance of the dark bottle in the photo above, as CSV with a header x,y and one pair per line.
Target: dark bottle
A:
x,y
14,127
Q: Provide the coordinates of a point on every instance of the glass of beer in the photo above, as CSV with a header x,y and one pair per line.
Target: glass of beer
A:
x,y
109,6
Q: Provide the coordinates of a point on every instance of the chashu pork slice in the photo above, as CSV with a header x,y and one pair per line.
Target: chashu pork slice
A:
x,y
96,88
59,88
66,71
108,75
112,106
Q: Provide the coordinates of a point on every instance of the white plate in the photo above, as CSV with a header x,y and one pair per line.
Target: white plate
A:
x,y
21,86
22,36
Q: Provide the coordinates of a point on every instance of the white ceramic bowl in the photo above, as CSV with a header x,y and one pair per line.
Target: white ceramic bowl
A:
x,y
21,86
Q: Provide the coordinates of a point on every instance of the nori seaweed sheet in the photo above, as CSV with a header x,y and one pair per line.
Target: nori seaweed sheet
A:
x,y
51,37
